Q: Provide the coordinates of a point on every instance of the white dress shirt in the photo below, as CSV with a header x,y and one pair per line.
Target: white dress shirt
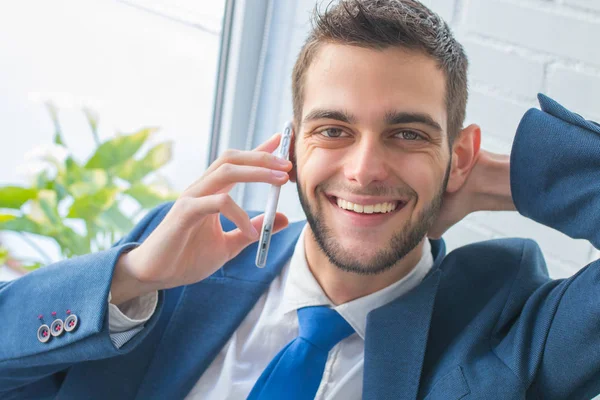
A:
x,y
127,319
273,323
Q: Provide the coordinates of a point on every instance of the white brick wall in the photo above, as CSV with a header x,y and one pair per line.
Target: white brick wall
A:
x,y
593,5
576,88
557,30
516,48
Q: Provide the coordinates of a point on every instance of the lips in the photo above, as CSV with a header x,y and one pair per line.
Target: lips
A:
x,y
367,206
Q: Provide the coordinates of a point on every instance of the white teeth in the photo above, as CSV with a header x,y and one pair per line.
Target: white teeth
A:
x,y
368,209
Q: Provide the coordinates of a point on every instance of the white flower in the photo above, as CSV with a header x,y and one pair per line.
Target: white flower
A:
x,y
42,158
53,153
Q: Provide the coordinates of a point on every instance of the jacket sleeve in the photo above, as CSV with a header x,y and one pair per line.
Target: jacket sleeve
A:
x,y
555,180
81,285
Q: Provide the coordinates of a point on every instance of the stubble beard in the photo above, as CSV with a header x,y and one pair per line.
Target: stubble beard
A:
x,y
400,244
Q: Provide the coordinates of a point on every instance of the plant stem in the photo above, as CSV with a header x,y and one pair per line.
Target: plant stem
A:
x,y
37,248
92,121
96,137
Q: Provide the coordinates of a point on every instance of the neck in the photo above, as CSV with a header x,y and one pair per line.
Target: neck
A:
x,y
342,286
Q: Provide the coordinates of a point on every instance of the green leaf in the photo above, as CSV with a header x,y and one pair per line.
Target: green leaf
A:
x,y
88,207
73,168
61,191
58,139
48,203
32,266
6,217
135,170
24,224
53,111
116,151
79,181
71,173
90,181
149,196
71,243
114,218
3,255
44,181
15,196
92,119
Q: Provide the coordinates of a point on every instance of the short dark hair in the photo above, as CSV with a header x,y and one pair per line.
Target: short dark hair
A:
x,y
380,24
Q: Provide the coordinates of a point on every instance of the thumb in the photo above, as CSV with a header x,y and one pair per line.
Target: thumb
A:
x,y
238,241
281,222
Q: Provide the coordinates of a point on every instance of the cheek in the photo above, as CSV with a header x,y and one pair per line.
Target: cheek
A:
x,y
423,173
314,166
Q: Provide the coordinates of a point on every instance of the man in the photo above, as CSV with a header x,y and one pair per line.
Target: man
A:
x,y
358,303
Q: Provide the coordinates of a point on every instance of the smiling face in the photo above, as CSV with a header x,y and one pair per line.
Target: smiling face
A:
x,y
372,155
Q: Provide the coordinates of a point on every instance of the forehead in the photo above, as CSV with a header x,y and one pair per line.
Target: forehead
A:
x,y
370,83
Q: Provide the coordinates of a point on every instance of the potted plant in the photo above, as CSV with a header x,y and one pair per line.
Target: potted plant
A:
x,y
79,205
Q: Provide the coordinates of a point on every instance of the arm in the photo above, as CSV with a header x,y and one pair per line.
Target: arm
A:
x,y
486,188
549,331
555,180
80,284
127,319
174,246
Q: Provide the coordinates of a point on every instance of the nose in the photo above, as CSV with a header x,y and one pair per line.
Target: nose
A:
x,y
367,162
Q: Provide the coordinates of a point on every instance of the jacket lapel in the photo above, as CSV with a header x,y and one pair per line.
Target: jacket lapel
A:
x,y
396,339
207,315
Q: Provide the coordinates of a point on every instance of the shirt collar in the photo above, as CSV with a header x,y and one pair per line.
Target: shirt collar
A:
x,y
302,289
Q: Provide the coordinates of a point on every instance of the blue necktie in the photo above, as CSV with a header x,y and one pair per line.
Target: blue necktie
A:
x,y
295,372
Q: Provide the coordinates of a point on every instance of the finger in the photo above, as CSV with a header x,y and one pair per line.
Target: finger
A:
x,y
260,156
224,204
281,222
256,157
229,174
270,145
237,241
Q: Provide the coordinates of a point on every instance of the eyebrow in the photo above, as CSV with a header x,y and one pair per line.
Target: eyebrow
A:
x,y
391,118
320,113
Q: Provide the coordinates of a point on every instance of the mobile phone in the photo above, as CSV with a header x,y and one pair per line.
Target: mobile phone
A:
x,y
283,151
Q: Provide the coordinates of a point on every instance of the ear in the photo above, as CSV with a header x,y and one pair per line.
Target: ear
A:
x,y
465,152
292,172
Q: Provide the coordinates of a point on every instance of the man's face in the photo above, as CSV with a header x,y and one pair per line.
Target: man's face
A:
x,y
372,155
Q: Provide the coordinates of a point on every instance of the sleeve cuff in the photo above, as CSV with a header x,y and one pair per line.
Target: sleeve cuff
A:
x,y
132,313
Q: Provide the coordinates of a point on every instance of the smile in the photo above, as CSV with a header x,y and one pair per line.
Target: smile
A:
x,y
372,208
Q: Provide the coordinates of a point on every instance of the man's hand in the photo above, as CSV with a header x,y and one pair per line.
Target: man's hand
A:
x,y
486,188
189,244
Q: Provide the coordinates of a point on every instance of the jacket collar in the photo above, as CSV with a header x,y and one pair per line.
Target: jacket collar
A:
x,y
397,335
208,313
213,309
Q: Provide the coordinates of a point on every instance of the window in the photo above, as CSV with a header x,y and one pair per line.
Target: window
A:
x,y
136,63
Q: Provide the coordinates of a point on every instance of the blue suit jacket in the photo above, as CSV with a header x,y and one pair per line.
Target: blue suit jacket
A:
x,y
486,323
